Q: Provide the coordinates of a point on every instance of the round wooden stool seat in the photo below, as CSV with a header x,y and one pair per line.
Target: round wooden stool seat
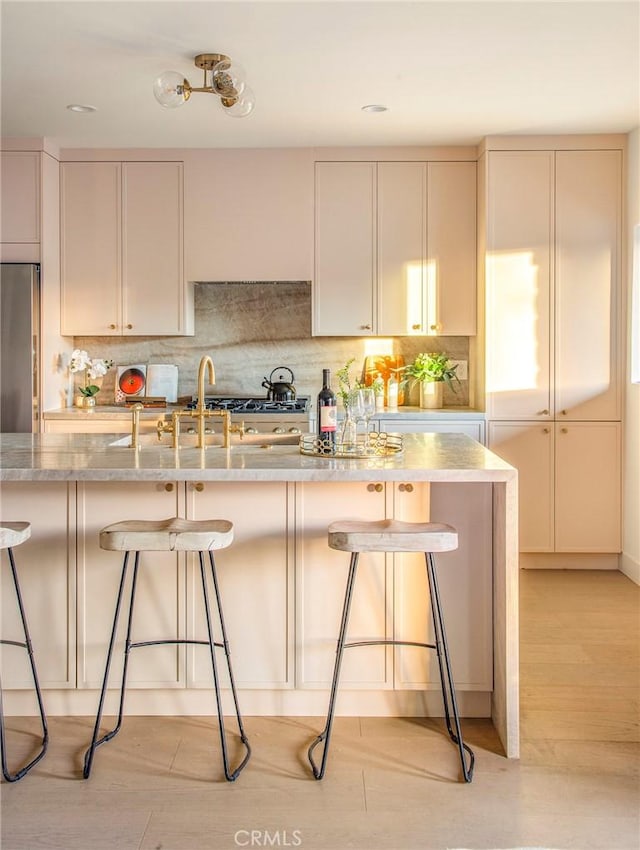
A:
x,y
391,535
167,535
14,533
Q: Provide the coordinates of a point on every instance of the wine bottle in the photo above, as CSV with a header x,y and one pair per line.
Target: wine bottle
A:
x,y
327,414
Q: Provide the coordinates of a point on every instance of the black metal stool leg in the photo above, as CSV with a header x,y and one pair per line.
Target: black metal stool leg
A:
x,y
325,735
229,774
444,665
95,741
14,777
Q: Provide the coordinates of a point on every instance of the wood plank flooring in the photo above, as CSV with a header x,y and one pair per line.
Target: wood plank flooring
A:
x,y
391,783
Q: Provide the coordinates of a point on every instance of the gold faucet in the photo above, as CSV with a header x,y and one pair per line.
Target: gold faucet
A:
x,y
201,411
135,425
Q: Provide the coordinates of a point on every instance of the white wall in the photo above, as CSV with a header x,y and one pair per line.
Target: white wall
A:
x,y
630,561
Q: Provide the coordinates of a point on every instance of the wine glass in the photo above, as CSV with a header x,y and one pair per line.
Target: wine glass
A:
x,y
368,403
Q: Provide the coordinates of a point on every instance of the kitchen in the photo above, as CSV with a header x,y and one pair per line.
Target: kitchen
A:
x,y
254,307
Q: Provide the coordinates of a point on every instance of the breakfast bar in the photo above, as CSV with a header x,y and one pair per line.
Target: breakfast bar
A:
x,y
274,488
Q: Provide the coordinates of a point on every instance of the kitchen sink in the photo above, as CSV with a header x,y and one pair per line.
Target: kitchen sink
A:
x,y
190,441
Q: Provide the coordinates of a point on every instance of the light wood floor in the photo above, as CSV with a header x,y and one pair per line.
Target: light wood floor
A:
x,y
391,783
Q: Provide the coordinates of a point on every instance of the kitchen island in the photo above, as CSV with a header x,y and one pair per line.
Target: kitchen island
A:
x,y
273,491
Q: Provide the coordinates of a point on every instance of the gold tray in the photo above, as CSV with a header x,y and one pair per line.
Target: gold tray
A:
x,y
375,444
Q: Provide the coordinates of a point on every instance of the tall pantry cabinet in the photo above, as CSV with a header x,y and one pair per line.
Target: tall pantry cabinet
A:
x,y
551,232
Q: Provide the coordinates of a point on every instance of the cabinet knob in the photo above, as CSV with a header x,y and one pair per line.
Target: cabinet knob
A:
x,y
112,327
199,487
374,488
365,327
168,487
406,488
129,327
545,430
415,327
564,430
433,327
544,412
563,412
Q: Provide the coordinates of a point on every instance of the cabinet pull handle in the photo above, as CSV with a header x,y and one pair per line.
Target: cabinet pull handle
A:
x,y
168,487
112,327
199,487
374,488
544,412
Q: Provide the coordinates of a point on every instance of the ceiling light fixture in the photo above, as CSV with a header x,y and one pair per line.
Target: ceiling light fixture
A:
x,y
221,76
374,107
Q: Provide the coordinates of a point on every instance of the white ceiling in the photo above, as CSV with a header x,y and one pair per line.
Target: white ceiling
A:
x,y
450,72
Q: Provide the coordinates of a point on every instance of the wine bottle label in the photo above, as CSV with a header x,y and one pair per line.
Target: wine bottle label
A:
x,y
328,418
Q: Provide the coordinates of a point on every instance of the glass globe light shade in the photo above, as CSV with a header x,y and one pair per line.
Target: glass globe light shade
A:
x,y
243,105
228,79
171,89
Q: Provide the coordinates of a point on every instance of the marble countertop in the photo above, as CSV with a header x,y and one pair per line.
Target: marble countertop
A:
x,y
92,457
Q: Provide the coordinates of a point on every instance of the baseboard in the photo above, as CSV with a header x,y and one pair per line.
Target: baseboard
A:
x,y
293,703
630,567
569,561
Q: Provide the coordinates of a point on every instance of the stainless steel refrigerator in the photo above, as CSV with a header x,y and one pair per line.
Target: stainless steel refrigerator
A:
x,y
19,347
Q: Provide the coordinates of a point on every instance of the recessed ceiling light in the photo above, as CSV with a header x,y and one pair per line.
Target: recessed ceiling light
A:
x,y
81,107
374,107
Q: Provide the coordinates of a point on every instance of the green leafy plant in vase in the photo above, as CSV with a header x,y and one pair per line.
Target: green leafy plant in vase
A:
x,y
431,372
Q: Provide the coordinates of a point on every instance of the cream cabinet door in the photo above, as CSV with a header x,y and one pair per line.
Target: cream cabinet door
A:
x,y
321,581
46,571
518,284
530,448
345,253
450,271
160,598
20,190
588,233
90,257
256,576
401,248
588,487
465,582
152,261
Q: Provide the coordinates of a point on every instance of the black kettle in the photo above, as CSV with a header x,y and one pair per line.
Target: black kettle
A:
x,y
280,390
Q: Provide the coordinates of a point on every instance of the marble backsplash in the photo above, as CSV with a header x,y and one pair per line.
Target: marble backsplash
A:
x,y
251,328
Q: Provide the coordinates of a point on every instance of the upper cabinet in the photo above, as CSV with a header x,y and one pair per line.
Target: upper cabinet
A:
x,y
395,248
20,180
122,250
552,271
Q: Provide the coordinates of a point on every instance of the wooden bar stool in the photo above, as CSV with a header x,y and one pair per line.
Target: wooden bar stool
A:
x,y
13,534
175,535
396,536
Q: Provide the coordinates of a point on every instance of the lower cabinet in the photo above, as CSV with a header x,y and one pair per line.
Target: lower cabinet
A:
x,y
282,587
391,593
160,597
322,576
46,570
569,483
256,576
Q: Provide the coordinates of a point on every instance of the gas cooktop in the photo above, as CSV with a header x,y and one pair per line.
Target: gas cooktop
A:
x,y
244,404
